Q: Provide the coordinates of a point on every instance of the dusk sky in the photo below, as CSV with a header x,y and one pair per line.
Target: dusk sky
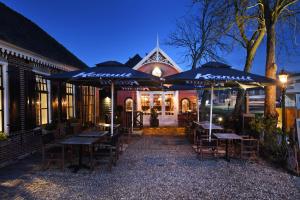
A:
x,y
100,30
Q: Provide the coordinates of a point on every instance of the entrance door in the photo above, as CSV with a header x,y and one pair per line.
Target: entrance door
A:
x,y
166,104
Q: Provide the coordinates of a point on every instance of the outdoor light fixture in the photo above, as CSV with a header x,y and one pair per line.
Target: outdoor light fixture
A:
x,y
220,119
283,78
156,72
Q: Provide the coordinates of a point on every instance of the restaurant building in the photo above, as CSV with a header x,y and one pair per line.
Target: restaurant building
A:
x,y
27,98
169,104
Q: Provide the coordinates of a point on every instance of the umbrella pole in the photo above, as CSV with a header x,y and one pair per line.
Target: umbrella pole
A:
x,y
132,114
211,108
198,112
112,109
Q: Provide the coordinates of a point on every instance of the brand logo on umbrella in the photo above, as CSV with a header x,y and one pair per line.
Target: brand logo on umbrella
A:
x,y
221,77
102,75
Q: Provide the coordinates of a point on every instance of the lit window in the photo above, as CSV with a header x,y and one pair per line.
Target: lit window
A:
x,y
88,103
69,100
145,103
185,105
128,105
169,104
157,103
41,100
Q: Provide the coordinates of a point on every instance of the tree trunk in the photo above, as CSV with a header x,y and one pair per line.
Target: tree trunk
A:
x,y
271,68
238,108
204,97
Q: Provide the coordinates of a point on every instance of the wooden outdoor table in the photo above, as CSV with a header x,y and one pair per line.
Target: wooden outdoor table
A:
x,y
227,137
205,125
96,134
79,141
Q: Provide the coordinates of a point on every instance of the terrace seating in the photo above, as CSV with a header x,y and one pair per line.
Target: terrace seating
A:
x,y
206,148
51,152
108,151
249,148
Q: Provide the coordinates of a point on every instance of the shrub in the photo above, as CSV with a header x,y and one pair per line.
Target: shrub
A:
x,y
273,140
3,136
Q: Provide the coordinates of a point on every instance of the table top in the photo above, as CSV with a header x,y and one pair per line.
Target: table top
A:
x,y
108,125
205,125
227,136
93,134
80,140
213,126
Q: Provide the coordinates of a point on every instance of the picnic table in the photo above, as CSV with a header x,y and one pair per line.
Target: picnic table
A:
x,y
79,141
227,137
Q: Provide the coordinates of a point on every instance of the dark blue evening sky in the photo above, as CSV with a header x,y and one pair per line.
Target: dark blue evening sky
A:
x,y
99,30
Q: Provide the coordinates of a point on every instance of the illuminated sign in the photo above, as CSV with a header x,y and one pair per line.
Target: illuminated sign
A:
x,y
102,75
222,77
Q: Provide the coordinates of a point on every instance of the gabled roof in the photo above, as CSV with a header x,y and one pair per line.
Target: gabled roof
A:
x,y
157,55
20,31
133,61
110,63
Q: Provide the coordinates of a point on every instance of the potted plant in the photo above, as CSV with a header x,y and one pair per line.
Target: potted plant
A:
x,y
49,128
154,122
3,139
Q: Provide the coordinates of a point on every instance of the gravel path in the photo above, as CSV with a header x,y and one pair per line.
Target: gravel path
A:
x,y
153,168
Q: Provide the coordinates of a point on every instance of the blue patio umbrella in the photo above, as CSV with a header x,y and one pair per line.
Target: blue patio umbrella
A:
x,y
111,75
216,73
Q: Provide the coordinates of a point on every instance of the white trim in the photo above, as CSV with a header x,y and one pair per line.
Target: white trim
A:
x,y
73,99
5,96
40,72
158,50
9,48
49,101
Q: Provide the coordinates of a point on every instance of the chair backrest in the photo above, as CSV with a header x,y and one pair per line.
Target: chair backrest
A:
x,y
48,138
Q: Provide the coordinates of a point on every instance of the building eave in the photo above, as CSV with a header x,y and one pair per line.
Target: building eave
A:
x,y
11,49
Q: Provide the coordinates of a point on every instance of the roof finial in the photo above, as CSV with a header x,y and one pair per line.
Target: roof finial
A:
x,y
157,41
157,47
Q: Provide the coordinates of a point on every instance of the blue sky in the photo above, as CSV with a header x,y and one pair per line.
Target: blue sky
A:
x,y
99,30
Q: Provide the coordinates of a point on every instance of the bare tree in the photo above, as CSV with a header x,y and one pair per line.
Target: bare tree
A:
x,y
201,34
274,10
248,30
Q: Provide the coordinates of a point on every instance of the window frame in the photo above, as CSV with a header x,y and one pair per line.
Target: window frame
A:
x,y
41,88
189,105
70,92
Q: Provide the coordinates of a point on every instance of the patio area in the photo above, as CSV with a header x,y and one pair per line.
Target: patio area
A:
x,y
152,168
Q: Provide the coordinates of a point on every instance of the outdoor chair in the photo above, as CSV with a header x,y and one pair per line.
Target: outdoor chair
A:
x,y
108,151
51,152
206,148
249,148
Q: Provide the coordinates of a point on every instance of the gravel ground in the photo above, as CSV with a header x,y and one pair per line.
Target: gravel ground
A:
x,y
152,168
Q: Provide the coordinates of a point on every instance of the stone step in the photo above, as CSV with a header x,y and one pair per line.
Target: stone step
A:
x,y
164,131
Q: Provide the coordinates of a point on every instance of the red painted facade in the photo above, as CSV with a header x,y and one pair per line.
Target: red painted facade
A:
x,y
166,71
